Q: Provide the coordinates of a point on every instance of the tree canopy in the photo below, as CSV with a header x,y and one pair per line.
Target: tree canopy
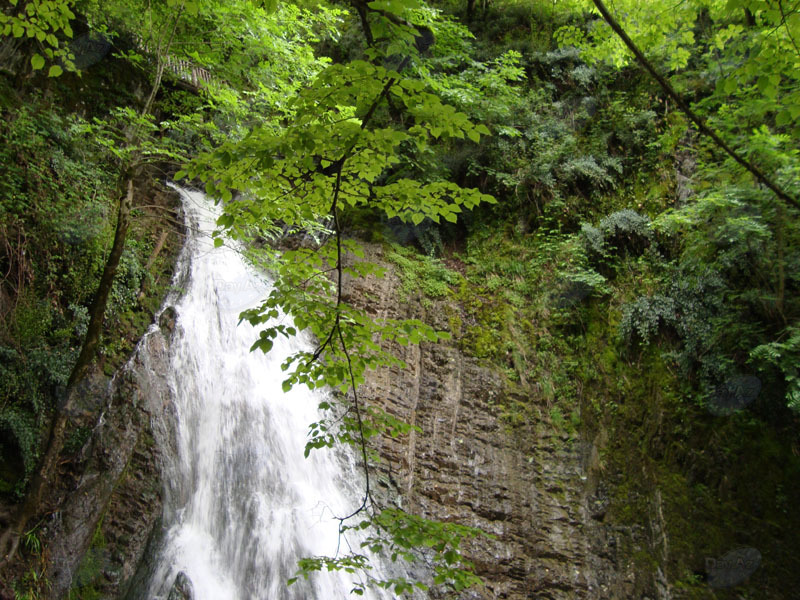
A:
x,y
639,158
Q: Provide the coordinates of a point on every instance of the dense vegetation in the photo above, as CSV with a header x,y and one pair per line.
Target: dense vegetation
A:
x,y
616,263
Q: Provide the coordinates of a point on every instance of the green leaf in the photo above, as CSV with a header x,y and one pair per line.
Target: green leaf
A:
x,y
730,85
55,71
783,118
37,62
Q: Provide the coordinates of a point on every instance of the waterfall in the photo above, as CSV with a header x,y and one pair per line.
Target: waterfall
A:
x,y
242,503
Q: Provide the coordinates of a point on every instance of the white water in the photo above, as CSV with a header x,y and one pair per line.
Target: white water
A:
x,y
242,503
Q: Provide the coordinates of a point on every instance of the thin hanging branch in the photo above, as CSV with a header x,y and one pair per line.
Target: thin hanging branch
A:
x,y
336,328
696,119
784,16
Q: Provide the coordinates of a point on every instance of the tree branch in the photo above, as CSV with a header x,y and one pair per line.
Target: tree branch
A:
x,y
696,119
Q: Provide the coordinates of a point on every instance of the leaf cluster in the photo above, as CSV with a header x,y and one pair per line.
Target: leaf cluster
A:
x,y
400,536
47,24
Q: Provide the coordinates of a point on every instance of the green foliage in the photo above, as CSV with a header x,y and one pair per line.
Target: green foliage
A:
x,y
55,198
33,583
785,357
626,231
667,35
731,284
46,23
644,318
422,274
579,283
562,136
131,275
30,377
399,535
33,586
130,137
593,239
620,234
541,157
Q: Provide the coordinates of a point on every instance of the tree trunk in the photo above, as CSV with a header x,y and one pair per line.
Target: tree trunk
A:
x,y
46,472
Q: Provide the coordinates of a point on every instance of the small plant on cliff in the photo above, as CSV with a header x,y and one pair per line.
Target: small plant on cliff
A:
x,y
423,274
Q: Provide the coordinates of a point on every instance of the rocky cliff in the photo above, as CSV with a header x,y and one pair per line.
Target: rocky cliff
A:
x,y
100,534
534,486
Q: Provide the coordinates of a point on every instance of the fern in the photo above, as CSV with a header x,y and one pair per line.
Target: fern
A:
x,y
627,230
784,356
624,230
592,239
642,318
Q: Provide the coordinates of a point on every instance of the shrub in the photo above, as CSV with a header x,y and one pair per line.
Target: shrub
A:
x,y
626,230
642,318
592,240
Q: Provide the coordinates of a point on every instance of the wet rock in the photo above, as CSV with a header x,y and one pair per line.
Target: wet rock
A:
x,y
119,483
166,320
182,589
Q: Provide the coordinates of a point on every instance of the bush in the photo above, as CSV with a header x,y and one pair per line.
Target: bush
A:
x,y
621,232
642,318
627,231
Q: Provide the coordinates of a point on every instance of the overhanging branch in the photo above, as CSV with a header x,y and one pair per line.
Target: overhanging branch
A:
x,y
696,119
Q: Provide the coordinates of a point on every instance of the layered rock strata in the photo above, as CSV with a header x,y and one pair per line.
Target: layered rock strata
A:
x,y
533,488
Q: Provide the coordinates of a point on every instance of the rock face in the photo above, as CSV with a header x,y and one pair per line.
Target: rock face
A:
x,y
182,588
100,533
533,488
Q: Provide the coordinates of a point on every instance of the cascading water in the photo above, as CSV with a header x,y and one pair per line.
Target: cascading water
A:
x,y
242,503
